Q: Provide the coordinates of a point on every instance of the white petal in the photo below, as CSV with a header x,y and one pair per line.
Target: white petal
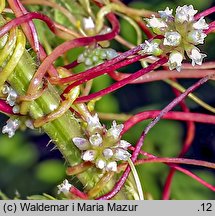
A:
x,y
96,139
100,164
88,23
121,154
89,155
115,130
111,166
185,13
196,56
175,60
11,127
196,37
123,144
156,23
172,39
64,187
108,153
200,24
81,143
167,13
93,123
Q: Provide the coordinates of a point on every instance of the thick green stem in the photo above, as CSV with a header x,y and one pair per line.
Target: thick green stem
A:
x,y
61,130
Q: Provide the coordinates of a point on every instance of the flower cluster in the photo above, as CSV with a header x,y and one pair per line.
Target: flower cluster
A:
x,y
11,127
181,33
11,97
95,56
103,147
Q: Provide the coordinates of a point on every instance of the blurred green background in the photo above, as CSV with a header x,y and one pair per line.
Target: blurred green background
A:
x,y
28,165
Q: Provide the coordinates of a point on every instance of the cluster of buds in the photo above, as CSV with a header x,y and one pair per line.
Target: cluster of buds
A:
x,y
11,96
95,56
103,147
181,33
11,126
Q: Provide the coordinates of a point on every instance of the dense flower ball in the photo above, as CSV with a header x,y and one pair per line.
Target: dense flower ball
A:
x,y
103,147
181,33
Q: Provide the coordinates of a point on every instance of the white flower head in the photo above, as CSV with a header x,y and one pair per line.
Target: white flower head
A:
x,y
175,60
166,14
200,24
64,187
172,38
154,22
96,139
81,143
88,23
196,37
89,155
196,56
11,127
185,14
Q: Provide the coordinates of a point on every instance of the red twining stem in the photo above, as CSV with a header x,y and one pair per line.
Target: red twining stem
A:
x,y
101,72
140,142
174,115
123,82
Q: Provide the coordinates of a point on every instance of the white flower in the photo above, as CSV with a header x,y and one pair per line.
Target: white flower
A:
x,y
185,13
196,56
167,13
93,123
172,38
108,153
175,60
81,143
88,23
89,155
150,47
11,127
64,187
196,37
96,139
200,24
156,23
100,164
123,144
111,166
115,130
121,154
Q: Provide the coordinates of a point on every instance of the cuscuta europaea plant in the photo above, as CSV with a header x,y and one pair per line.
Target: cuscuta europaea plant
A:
x,y
101,148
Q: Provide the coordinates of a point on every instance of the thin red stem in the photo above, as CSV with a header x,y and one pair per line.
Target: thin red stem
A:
x,y
173,115
100,67
205,13
25,18
66,46
5,108
123,82
162,75
101,72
